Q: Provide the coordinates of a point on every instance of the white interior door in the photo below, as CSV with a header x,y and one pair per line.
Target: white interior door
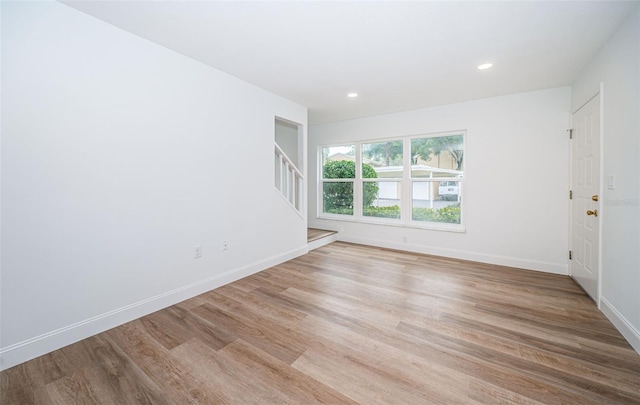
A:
x,y
585,205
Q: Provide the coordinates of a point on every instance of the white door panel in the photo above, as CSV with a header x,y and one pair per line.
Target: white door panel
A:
x,y
585,185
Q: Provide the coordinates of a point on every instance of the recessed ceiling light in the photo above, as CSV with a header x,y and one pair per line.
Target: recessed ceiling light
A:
x,y
352,95
485,66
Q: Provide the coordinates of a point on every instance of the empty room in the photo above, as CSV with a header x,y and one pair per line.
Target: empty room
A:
x,y
319,202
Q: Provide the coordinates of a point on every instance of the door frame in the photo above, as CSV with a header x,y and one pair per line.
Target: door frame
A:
x,y
601,213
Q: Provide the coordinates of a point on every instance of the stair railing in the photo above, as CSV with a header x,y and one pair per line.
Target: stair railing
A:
x,y
288,179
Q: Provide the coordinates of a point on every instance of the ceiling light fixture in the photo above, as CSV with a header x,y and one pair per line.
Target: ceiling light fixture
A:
x,y
352,95
485,66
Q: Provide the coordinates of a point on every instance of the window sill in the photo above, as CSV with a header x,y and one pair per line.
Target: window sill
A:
x,y
431,226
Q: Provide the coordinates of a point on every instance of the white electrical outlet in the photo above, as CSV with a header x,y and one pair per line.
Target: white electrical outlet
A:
x,y
225,245
197,252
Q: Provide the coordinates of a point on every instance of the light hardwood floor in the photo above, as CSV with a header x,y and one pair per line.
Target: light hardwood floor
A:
x,y
349,324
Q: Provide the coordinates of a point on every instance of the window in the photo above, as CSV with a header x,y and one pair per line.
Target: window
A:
x,y
382,174
436,178
413,181
338,176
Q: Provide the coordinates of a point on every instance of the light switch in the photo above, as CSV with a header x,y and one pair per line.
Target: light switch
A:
x,y
611,183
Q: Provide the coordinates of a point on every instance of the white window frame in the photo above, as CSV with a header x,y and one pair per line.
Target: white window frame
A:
x,y
406,185
322,181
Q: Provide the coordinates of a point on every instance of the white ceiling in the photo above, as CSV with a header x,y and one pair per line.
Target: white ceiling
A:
x,y
397,55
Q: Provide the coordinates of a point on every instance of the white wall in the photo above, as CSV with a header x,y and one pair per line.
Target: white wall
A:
x,y
118,158
617,67
516,179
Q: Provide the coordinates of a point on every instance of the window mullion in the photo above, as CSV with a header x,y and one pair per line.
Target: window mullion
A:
x,y
357,183
320,183
405,198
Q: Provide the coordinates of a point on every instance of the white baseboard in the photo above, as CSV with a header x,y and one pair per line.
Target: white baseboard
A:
x,y
548,267
37,346
621,323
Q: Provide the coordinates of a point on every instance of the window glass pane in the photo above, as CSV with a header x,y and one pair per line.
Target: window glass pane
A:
x,y
436,201
384,157
439,156
381,199
338,162
337,197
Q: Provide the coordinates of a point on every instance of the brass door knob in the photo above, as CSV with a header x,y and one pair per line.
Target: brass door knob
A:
x,y
594,197
594,213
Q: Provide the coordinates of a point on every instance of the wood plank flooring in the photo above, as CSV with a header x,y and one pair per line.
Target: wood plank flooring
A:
x,y
350,324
